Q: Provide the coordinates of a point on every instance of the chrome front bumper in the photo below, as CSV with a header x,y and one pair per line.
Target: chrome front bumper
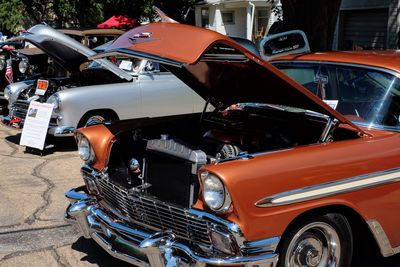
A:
x,y
140,248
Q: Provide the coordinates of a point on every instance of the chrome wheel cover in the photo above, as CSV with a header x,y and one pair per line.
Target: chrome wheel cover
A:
x,y
97,119
315,245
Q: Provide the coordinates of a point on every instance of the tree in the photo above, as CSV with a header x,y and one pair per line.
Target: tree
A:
x,y
176,9
39,10
15,14
11,17
78,13
315,17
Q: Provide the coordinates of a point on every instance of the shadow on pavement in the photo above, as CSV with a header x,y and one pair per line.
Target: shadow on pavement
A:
x,y
14,138
95,254
60,144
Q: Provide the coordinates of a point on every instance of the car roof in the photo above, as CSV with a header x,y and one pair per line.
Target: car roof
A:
x,y
388,59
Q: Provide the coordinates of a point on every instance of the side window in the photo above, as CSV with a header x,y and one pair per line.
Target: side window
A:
x,y
368,96
360,85
314,77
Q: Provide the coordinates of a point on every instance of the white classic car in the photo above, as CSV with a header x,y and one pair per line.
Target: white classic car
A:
x,y
97,91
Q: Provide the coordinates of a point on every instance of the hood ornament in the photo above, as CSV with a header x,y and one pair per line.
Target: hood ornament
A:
x,y
142,35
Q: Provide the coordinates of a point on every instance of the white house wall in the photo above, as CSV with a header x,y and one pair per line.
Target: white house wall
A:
x,y
243,23
238,28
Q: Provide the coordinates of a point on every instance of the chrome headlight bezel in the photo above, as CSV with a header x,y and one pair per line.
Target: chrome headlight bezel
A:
x,y
55,100
23,66
215,193
85,150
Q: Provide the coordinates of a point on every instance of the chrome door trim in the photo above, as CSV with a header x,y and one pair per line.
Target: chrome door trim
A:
x,y
331,188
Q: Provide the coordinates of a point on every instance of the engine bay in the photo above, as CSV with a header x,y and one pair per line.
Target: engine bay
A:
x,y
87,77
220,135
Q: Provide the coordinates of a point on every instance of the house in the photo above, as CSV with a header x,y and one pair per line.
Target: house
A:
x,y
248,19
368,24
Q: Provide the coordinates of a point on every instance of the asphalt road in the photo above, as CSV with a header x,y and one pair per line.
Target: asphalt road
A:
x,y
32,204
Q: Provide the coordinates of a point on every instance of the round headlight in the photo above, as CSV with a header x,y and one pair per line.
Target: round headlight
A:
x,y
2,62
23,66
85,150
215,194
7,92
55,100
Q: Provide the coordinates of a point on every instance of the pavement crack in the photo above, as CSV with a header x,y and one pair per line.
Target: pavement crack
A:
x,y
46,195
23,253
35,229
61,261
13,146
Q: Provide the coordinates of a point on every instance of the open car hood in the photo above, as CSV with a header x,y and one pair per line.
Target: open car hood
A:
x,y
216,67
64,50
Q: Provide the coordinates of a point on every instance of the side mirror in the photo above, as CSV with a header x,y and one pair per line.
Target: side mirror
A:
x,y
152,67
282,44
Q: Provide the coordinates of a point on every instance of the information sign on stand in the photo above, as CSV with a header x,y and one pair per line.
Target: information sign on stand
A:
x,y
36,124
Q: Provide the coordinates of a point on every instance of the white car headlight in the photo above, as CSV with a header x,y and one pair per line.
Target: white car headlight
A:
x,y
55,100
7,92
85,150
23,66
215,194
2,62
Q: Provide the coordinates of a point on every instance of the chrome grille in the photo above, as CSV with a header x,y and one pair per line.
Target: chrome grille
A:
x,y
20,108
155,214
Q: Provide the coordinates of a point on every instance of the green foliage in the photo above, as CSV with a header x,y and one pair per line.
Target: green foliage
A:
x,y
11,17
15,14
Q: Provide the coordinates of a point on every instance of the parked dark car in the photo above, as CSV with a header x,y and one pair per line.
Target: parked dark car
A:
x,y
23,63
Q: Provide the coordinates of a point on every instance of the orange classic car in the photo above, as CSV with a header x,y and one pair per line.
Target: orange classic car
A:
x,y
272,176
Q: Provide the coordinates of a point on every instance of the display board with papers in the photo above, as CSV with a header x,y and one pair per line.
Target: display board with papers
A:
x,y
36,124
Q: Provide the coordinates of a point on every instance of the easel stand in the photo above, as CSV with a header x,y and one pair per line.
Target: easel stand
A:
x,y
48,149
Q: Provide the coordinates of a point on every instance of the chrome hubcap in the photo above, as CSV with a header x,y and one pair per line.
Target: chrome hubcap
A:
x,y
94,120
315,245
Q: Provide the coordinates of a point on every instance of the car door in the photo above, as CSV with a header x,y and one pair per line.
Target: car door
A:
x,y
164,94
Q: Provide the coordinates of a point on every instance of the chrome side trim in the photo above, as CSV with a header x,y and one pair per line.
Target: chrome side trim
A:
x,y
382,239
331,188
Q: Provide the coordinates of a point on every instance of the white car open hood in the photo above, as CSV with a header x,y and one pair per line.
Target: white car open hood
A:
x,y
64,50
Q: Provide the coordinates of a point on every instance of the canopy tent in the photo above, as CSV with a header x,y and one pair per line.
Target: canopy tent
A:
x,y
118,22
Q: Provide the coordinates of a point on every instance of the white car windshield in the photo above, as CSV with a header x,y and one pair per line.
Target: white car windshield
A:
x,y
128,64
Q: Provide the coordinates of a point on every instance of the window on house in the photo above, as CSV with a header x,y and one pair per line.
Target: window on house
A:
x,y
261,22
228,17
205,17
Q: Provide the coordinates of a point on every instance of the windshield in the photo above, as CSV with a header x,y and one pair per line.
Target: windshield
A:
x,y
366,96
128,64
